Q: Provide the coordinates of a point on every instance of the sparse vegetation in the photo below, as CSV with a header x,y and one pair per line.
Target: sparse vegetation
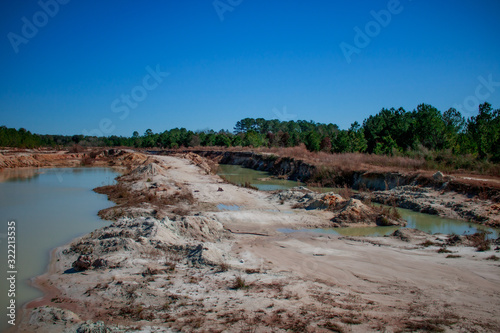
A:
x,y
427,243
346,192
252,270
87,161
223,267
239,283
480,241
351,320
433,324
453,256
126,197
334,327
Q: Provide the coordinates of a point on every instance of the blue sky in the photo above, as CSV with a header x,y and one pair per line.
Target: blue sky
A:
x,y
269,59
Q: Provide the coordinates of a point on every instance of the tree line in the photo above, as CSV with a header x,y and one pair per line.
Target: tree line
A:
x,y
391,131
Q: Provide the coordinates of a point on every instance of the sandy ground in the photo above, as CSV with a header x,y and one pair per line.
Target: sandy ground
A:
x,y
228,269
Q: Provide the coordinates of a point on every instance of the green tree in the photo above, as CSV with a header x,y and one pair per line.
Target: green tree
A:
x,y
453,126
484,130
312,141
252,139
429,127
357,141
222,140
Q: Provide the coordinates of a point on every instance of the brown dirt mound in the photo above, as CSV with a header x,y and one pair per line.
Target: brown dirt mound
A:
x,y
18,161
205,164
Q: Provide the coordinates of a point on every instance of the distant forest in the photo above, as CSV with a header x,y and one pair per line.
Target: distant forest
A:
x,y
392,131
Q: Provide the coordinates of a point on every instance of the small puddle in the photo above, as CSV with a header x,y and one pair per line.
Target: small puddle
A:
x,y
223,207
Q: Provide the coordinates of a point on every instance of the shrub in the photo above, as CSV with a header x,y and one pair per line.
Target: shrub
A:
x,y
223,267
480,241
346,192
427,243
239,283
87,161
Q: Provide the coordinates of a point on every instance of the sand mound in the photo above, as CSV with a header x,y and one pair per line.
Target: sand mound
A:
x,y
150,169
198,228
355,212
50,315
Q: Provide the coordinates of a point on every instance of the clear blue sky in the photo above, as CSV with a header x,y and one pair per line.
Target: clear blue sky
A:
x,y
264,58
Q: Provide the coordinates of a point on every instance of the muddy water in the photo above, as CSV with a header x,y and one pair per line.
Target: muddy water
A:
x,y
50,207
428,223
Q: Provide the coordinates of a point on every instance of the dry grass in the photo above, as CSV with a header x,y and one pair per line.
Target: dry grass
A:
x,y
75,149
351,320
252,270
333,327
480,241
432,324
352,161
348,161
125,197
346,192
239,283
180,211
87,161
390,212
223,267
426,160
427,243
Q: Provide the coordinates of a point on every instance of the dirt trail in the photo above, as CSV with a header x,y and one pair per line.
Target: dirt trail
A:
x,y
217,270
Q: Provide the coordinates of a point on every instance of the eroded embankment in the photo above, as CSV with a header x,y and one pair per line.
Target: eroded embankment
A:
x,y
452,196
362,178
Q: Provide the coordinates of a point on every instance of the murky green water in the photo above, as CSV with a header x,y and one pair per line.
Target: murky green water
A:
x,y
260,179
428,223
50,207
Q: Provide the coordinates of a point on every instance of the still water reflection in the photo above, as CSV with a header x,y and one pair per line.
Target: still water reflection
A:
x,y
50,208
